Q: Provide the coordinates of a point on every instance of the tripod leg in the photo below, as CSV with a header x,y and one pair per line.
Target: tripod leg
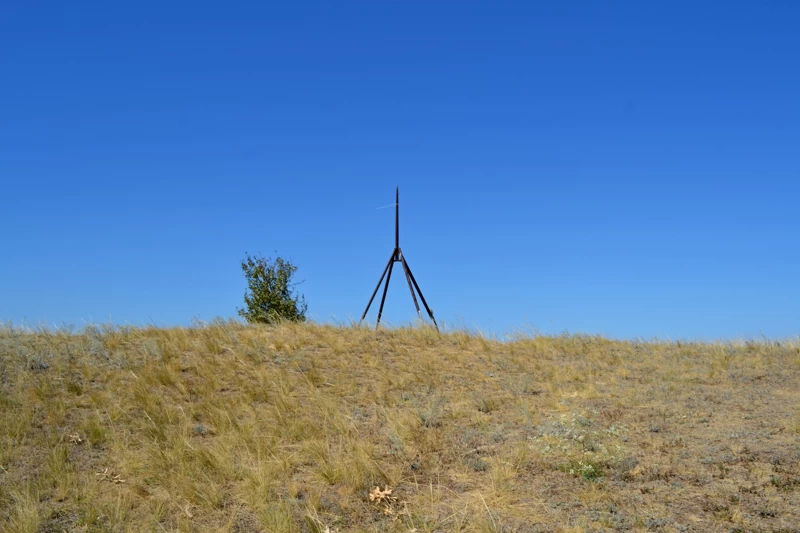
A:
x,y
410,288
428,309
383,298
377,287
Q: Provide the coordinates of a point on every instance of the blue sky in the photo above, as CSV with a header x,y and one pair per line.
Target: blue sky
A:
x,y
628,169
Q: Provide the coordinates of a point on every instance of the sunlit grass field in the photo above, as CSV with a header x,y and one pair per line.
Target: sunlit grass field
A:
x,y
319,428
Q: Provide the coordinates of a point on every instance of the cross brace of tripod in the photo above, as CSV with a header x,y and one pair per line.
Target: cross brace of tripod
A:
x,y
397,257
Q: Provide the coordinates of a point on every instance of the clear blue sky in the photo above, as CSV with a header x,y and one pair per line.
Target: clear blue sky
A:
x,y
629,169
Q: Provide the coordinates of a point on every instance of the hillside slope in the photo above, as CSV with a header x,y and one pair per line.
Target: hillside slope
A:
x,y
291,428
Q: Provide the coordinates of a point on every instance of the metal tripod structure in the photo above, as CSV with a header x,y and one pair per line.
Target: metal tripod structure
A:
x,y
397,257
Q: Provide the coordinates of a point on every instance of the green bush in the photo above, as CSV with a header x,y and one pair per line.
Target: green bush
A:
x,y
588,470
270,296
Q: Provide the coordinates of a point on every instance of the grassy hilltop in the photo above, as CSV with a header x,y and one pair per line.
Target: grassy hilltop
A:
x,y
291,428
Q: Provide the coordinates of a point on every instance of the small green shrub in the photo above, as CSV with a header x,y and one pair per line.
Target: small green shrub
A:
x,y
588,470
270,296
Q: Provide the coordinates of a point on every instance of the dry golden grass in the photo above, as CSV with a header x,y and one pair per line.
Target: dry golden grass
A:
x,y
313,428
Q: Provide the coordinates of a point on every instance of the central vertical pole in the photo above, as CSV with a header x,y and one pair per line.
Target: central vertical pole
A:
x,y
397,218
